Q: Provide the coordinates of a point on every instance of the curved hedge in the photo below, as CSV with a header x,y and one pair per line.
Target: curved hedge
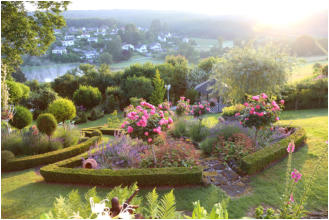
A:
x,y
62,172
107,131
50,157
261,159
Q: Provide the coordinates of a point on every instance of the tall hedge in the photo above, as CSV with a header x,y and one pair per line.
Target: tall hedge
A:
x,y
87,96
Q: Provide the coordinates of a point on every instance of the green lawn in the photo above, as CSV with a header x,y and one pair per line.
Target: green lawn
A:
x,y
26,195
306,69
134,59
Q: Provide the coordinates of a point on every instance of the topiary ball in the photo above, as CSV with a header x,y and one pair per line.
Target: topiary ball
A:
x,y
6,156
47,123
62,109
22,117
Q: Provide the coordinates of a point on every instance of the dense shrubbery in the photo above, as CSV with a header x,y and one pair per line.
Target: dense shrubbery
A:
x,y
62,109
307,94
183,106
22,117
232,110
192,95
87,96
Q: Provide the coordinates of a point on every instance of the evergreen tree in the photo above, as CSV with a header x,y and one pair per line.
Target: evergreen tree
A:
x,y
159,89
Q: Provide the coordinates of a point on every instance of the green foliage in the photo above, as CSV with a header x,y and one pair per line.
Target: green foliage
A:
x,y
87,96
207,145
197,131
23,33
50,157
180,128
47,124
66,85
111,104
217,212
105,58
259,160
159,90
25,90
6,156
63,109
15,92
96,113
207,64
259,213
113,120
232,110
68,137
192,95
251,71
136,101
306,94
139,87
146,70
22,117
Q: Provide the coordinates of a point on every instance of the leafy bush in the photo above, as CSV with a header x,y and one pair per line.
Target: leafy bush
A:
x,y
229,128
87,96
96,113
68,137
197,131
111,104
140,87
62,109
232,110
192,95
122,151
146,121
183,106
22,117
6,156
47,124
200,109
81,117
208,144
136,101
180,128
113,120
15,92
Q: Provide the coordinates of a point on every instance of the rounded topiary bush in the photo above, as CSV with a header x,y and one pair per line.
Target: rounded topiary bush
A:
x,y
6,156
62,109
47,124
15,92
22,117
87,96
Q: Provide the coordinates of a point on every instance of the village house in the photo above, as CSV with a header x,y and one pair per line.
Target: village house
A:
x,y
162,38
59,50
88,55
84,36
141,48
155,47
67,43
69,37
127,47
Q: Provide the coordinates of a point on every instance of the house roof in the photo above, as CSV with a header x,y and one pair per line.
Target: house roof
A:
x,y
204,88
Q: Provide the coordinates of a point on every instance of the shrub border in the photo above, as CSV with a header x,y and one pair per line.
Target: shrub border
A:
x,y
263,158
49,157
62,172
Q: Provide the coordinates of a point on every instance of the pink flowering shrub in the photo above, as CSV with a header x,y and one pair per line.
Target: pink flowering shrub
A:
x,y
146,121
183,106
260,112
200,109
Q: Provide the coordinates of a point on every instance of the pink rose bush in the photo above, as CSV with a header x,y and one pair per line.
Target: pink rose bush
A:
x,y
200,109
146,121
183,106
260,111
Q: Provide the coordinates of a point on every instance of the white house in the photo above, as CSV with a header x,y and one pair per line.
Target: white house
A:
x,y
168,35
162,38
59,50
89,54
141,48
83,36
156,47
67,43
93,39
185,40
69,37
127,47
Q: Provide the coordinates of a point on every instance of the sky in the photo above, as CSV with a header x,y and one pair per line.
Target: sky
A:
x,y
274,12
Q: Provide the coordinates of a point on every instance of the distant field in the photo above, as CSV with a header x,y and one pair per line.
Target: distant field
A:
x,y
205,44
134,59
306,69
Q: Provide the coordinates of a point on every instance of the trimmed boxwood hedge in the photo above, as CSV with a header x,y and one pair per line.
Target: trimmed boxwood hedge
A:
x,y
104,130
50,157
261,159
62,172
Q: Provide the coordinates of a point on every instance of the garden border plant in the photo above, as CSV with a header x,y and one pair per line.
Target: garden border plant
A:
x,y
49,157
62,172
263,158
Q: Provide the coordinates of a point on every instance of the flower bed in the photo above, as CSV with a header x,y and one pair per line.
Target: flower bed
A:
x,y
63,172
261,159
50,157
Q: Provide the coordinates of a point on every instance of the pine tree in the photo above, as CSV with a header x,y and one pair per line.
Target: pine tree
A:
x,y
159,89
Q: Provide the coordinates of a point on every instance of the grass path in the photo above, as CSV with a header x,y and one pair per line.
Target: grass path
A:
x,y
26,195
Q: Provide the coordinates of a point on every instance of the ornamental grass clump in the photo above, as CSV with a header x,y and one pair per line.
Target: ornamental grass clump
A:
x,y
146,121
260,112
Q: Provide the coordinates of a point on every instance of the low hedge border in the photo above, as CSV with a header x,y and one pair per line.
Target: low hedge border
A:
x,y
261,159
104,130
62,172
50,157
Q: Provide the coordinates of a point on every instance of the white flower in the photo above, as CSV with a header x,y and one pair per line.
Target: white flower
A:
x,y
97,208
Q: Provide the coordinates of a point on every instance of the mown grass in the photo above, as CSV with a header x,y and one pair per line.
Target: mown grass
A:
x,y
26,195
305,70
